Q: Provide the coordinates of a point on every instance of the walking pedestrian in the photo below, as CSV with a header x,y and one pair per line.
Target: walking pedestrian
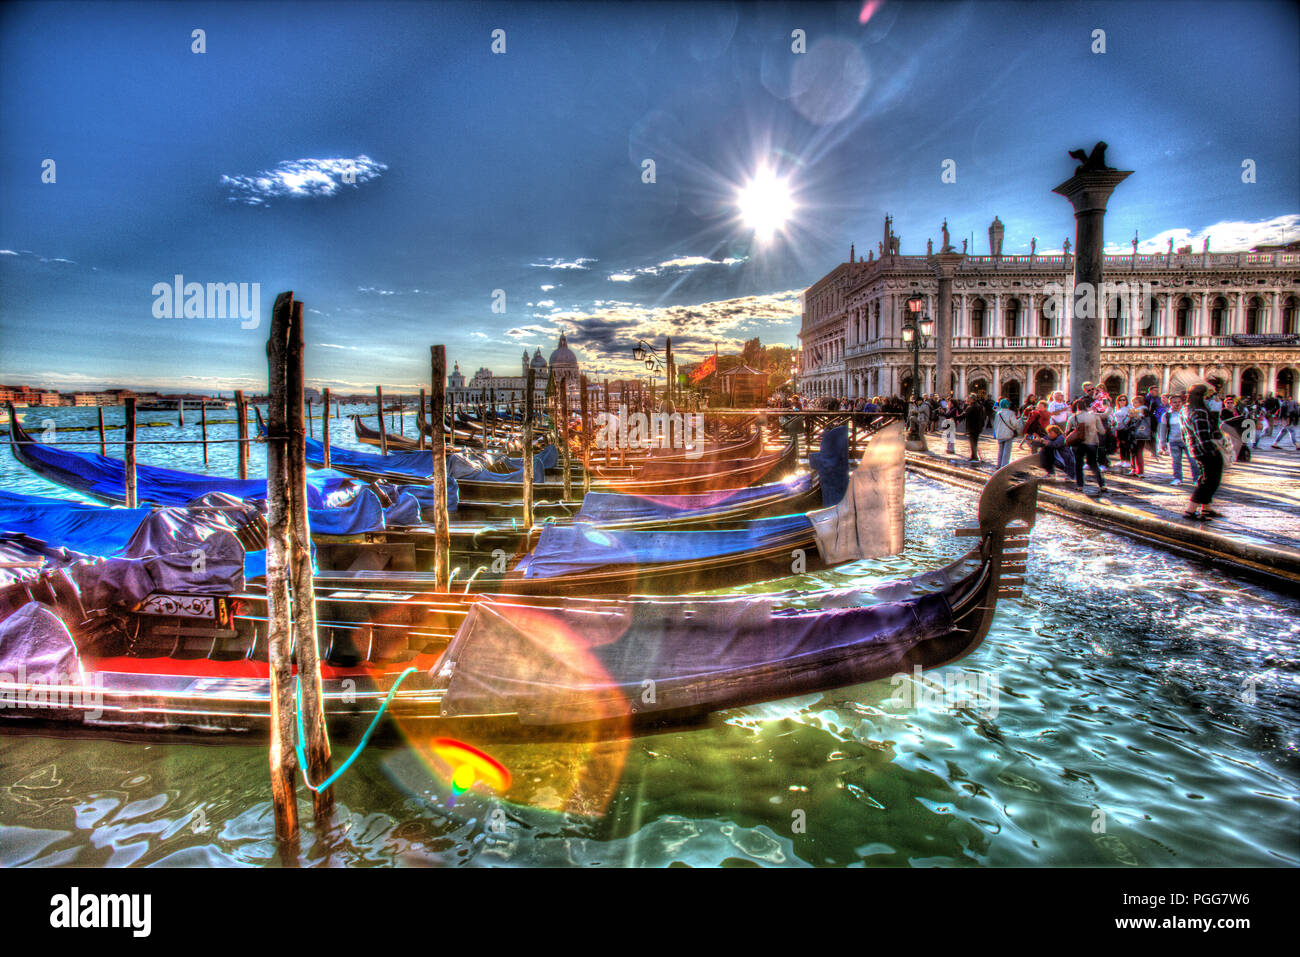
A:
x,y
1173,441
1006,426
1202,441
1084,430
974,426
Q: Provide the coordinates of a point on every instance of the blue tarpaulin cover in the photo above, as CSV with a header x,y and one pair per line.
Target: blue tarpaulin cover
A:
x,y
605,507
565,549
832,464
92,529
338,504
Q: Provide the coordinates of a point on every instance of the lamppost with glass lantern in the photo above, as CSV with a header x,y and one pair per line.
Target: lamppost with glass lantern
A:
x,y
917,327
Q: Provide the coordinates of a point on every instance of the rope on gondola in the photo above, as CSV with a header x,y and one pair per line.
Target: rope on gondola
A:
x,y
356,752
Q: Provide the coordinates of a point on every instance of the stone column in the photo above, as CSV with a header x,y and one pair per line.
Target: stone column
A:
x,y
1088,192
945,264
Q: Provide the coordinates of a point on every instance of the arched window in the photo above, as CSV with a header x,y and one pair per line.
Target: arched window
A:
x,y
1114,317
1044,320
1183,320
977,311
1253,310
1290,316
1150,317
1011,320
1218,312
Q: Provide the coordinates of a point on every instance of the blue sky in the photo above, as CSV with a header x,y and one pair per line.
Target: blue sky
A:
x,y
523,170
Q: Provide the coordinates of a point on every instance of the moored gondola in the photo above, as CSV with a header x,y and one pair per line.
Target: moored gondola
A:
x,y
509,667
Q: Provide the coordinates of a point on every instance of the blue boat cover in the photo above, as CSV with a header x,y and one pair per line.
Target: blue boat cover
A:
x,y
608,507
418,465
832,464
90,529
103,477
566,549
589,660
547,458
338,504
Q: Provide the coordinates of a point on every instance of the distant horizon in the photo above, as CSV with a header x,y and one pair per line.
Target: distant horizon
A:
x,y
619,173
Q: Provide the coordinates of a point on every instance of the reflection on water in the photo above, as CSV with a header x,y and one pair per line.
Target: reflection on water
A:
x,y
1148,714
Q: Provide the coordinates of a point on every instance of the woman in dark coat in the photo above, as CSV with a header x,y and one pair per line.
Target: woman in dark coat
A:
x,y
975,419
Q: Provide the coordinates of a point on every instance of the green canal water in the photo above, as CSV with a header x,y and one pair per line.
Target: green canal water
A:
x,y
1147,713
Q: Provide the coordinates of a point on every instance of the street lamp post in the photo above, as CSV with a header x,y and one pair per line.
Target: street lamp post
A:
x,y
917,327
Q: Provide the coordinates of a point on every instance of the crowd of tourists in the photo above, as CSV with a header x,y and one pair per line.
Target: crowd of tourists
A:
x,y
1094,433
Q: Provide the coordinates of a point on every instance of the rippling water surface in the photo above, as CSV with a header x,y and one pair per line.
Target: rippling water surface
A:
x,y
1147,713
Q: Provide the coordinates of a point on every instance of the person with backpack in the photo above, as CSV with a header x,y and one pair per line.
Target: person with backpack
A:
x,y
1139,436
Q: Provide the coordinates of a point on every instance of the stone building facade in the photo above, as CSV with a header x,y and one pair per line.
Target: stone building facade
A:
x,y
1174,318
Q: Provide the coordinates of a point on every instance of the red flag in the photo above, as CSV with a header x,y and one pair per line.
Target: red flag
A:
x,y
706,368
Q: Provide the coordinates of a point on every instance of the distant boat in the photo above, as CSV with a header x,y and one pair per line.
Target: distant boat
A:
x,y
173,405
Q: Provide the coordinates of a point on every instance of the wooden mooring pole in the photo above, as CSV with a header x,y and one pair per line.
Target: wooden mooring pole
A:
x,y
379,408
241,432
325,428
103,447
563,431
316,745
180,412
441,522
419,438
587,436
528,448
283,756
128,451
203,430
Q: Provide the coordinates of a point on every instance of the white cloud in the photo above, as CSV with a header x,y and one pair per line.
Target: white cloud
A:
x,y
546,304
1228,236
301,178
680,263
335,345
552,263
547,288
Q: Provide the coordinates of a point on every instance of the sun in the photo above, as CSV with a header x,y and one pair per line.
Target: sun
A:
x,y
766,204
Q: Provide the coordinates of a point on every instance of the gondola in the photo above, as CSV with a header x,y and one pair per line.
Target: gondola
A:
x,y
388,519
368,436
510,668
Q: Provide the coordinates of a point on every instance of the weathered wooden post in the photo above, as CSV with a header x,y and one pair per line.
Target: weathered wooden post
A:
x,y
203,430
283,757
316,745
451,408
563,431
180,412
128,453
383,432
103,447
441,523
325,429
528,448
588,435
419,437
241,433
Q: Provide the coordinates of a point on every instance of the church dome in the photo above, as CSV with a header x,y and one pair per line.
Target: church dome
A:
x,y
538,361
563,357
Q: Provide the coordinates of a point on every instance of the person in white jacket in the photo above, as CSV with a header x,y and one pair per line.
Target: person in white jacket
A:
x,y
1006,426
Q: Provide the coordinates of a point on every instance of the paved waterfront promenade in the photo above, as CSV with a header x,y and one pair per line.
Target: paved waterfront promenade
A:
x,y
1260,500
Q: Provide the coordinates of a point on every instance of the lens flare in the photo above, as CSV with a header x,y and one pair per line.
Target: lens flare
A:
x,y
469,766
765,204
